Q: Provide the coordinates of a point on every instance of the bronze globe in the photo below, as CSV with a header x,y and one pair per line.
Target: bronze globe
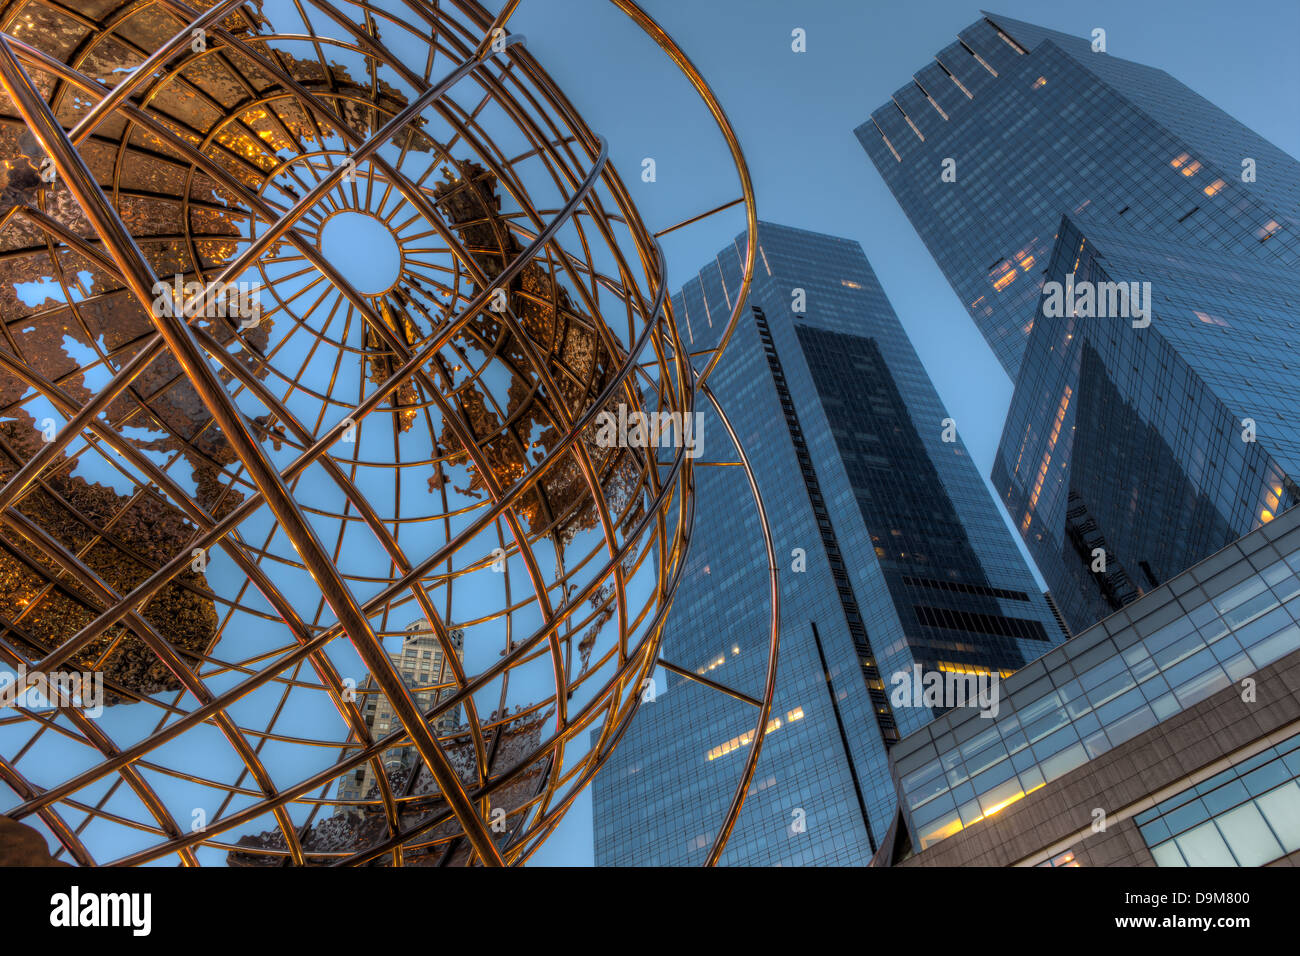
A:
x,y
311,548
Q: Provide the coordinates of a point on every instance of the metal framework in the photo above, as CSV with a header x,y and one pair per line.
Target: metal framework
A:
x,y
234,515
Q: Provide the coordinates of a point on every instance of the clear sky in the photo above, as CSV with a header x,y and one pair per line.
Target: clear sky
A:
x,y
795,114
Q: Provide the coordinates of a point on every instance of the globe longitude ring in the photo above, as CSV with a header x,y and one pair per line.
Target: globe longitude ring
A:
x,y
312,547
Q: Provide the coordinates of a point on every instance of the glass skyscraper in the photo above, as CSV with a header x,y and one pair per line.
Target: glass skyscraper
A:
x,y
892,554
1134,446
1036,125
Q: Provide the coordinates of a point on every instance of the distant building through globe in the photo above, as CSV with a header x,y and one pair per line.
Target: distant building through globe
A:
x,y
421,665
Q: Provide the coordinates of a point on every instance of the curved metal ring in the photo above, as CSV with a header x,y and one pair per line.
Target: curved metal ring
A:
x,y
281,100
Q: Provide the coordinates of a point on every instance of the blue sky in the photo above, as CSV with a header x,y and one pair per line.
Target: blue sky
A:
x,y
795,114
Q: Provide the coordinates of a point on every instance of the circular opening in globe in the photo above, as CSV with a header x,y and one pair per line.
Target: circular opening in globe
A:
x,y
363,250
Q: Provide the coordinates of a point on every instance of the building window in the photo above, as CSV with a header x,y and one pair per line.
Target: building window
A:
x,y
1248,815
1062,859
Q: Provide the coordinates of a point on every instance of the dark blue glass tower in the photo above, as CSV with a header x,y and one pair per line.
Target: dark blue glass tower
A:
x,y
1036,125
892,554
1147,445
1155,445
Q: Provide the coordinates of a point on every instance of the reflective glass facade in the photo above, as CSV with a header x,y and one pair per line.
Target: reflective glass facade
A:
x,y
1211,626
1247,815
1152,446
891,553
1038,126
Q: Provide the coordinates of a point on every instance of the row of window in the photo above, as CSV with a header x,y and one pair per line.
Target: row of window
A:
x,y
1248,815
1234,634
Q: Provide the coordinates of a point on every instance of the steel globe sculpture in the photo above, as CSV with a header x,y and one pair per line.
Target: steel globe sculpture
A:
x,y
313,547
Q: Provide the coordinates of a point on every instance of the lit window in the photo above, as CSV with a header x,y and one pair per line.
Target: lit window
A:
x,y
941,830
1061,859
1040,82
1268,230
1214,187
1047,456
1178,161
735,743
1191,168
850,284
950,667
